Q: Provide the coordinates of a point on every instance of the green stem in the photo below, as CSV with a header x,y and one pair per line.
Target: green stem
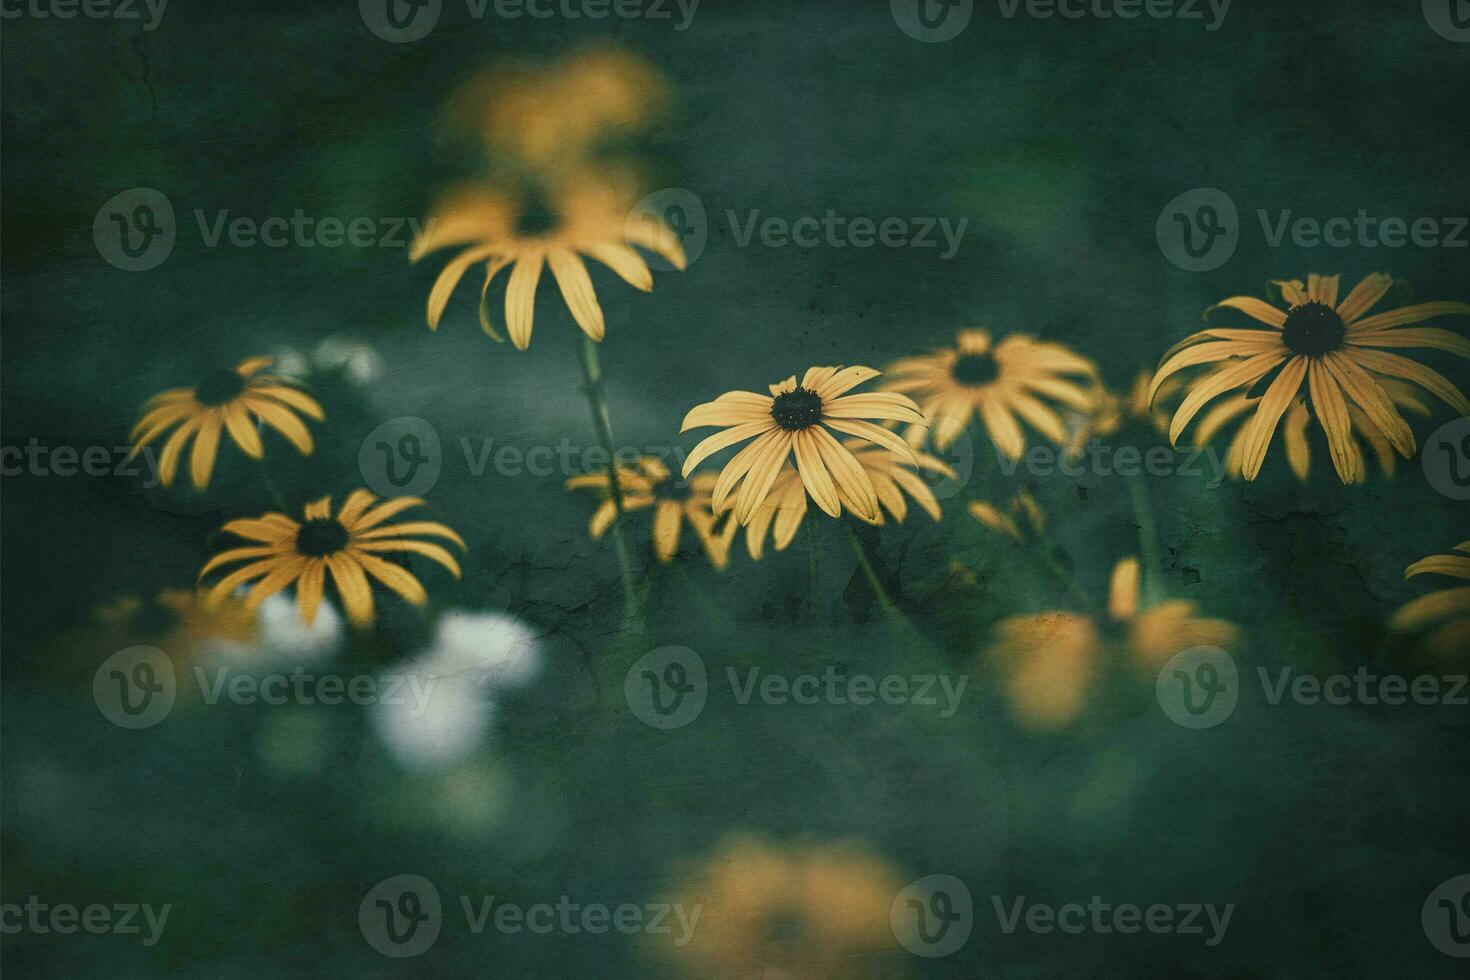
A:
x,y
862,556
270,487
1148,536
814,568
592,387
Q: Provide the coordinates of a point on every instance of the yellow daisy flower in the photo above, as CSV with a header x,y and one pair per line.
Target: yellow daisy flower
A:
x,y
1333,348
817,911
234,401
543,115
348,545
524,235
1022,520
795,418
1000,382
1053,658
1447,610
785,506
1295,430
647,484
1111,412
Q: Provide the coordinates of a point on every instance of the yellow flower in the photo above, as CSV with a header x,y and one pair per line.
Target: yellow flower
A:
x,y
348,545
795,418
1000,382
647,484
1295,428
820,912
181,622
524,235
1448,609
234,401
544,116
1053,658
1023,520
785,506
1332,348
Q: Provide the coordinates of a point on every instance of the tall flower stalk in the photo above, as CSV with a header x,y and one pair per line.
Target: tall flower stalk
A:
x,y
597,404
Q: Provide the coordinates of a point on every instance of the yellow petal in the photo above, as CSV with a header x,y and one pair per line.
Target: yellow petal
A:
x,y
520,299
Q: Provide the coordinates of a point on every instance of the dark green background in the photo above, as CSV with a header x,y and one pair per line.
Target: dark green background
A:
x,y
1060,142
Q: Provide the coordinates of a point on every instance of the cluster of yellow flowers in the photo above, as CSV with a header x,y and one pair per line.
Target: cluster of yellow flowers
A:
x,y
1311,355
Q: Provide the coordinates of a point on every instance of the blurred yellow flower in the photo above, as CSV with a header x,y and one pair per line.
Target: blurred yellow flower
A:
x,y
1052,660
1022,520
1446,610
795,418
1111,412
816,911
181,621
348,545
526,233
1331,347
1003,383
559,114
647,484
229,400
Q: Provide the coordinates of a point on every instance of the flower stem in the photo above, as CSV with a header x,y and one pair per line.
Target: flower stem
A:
x,y
1148,535
592,388
814,570
884,601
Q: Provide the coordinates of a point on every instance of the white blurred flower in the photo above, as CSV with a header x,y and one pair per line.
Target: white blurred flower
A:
x,y
290,362
284,633
474,657
358,361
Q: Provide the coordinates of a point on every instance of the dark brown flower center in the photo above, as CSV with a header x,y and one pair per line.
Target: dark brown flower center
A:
x,y
219,387
538,217
320,537
800,408
974,370
1313,329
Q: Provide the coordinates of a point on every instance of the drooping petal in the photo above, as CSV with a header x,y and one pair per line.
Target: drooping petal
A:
x,y
763,471
1332,413
520,299
1397,366
352,586
576,288
723,440
309,589
430,528
1272,406
1373,400
875,434
283,421
395,577
1123,592
242,431
1364,297
1222,380
847,474
814,474
449,278
628,264
206,448
666,520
